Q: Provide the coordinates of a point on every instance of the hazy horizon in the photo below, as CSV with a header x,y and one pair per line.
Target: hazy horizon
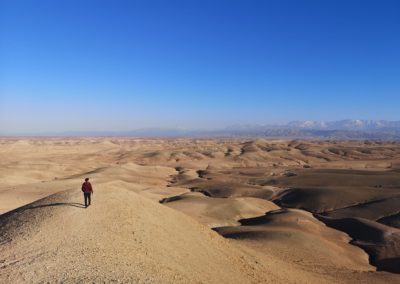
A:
x,y
355,126
126,65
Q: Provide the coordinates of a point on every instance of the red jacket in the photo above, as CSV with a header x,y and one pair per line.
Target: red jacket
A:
x,y
87,187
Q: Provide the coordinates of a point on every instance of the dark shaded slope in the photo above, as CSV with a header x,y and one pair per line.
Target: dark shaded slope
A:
x,y
381,242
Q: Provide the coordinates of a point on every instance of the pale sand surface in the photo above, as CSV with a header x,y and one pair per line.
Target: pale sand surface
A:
x,y
199,211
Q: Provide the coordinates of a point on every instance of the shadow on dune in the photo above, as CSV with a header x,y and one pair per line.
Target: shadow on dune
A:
x,y
12,222
391,264
381,242
19,210
78,205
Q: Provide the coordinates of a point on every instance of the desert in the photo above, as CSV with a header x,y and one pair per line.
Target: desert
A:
x,y
199,211
226,142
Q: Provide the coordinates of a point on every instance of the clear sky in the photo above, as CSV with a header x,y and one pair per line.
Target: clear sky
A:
x,y
121,65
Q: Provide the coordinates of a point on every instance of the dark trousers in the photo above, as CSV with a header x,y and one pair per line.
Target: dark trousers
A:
x,y
87,198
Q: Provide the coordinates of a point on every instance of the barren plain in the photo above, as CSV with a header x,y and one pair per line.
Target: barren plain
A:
x,y
199,211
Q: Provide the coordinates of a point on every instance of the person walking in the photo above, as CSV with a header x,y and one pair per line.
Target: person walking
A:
x,y
87,191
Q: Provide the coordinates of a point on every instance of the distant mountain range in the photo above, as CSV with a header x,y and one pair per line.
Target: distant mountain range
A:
x,y
349,124
342,129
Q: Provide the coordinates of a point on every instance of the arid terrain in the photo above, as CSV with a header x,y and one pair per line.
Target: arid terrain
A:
x,y
199,211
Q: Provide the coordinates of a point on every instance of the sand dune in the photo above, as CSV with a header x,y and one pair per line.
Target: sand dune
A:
x,y
216,212
376,210
156,201
391,220
123,237
380,241
276,230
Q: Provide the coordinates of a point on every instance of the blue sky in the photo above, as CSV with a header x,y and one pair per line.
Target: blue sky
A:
x,y
120,65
